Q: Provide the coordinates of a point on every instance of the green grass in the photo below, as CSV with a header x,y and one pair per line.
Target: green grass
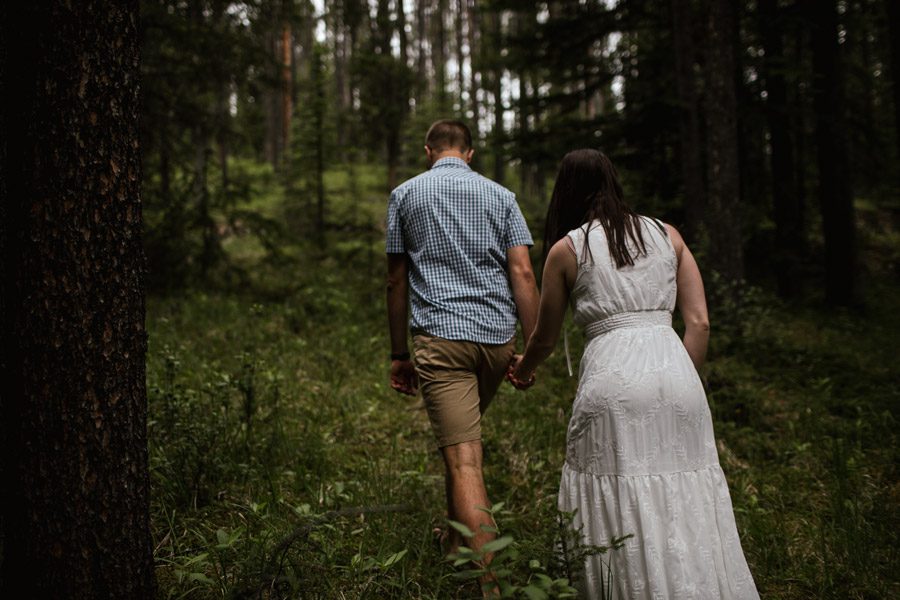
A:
x,y
284,466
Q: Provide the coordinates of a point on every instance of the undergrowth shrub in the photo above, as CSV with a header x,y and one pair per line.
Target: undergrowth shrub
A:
x,y
206,437
515,572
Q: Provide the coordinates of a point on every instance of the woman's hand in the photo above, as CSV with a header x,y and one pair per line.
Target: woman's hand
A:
x,y
518,380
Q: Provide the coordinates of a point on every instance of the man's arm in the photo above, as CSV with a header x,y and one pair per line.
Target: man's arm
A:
x,y
524,288
403,373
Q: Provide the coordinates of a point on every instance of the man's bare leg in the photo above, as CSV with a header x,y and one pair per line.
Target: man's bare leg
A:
x,y
465,493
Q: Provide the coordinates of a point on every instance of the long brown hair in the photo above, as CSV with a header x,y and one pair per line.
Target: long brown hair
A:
x,y
587,188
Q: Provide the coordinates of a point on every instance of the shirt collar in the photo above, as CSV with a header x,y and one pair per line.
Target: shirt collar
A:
x,y
450,161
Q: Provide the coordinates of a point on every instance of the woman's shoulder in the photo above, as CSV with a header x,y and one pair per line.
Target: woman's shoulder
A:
x,y
654,223
669,235
585,228
578,233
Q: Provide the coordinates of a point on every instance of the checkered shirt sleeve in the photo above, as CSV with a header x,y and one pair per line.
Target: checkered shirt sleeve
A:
x,y
517,233
394,239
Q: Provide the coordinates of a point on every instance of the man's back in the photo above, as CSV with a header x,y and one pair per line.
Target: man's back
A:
x,y
456,226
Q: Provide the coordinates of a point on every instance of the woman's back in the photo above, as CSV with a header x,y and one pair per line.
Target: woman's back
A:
x,y
601,290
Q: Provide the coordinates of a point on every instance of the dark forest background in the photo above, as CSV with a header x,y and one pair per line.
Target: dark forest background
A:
x,y
194,345
764,130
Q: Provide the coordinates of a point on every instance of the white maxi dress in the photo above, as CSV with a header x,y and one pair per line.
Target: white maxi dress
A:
x,y
641,458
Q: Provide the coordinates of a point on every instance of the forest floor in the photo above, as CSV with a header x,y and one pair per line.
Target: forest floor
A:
x,y
283,465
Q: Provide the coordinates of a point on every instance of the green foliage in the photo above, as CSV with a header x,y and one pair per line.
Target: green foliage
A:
x,y
509,573
271,422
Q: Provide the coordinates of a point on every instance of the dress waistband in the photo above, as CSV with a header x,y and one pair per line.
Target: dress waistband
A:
x,y
644,318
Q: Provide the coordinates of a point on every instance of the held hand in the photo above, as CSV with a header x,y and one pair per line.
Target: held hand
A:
x,y
519,382
403,377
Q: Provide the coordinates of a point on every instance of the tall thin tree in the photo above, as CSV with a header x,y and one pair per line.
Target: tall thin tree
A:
x,y
835,193
722,173
689,148
789,244
893,11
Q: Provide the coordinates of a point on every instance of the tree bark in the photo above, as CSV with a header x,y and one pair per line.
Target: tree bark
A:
x,y
688,118
722,171
835,193
75,475
785,197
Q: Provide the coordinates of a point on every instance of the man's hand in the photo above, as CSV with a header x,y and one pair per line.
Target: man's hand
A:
x,y
518,382
403,377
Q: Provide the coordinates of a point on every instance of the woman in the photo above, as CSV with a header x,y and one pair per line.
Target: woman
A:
x,y
640,454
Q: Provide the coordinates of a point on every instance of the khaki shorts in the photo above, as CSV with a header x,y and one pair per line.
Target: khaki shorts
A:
x,y
458,379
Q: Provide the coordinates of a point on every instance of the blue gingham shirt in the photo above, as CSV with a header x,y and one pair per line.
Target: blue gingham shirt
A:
x,y
455,227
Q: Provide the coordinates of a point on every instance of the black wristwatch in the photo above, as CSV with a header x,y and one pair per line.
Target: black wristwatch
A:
x,y
400,356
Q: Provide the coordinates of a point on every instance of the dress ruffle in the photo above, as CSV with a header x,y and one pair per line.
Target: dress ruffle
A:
x,y
685,542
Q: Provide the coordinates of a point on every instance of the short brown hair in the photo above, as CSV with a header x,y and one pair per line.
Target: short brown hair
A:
x,y
448,134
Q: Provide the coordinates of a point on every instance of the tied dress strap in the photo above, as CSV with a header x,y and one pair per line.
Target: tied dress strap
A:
x,y
643,318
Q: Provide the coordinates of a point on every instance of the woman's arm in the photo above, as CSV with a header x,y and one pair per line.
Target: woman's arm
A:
x,y
691,300
558,278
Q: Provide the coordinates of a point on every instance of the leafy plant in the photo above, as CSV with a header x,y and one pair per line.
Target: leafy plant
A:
x,y
505,571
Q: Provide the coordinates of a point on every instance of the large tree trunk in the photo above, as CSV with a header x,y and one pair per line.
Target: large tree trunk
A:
x,y
835,194
785,197
75,477
688,118
722,173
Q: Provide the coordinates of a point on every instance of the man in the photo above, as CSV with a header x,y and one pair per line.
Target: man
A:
x,y
457,250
